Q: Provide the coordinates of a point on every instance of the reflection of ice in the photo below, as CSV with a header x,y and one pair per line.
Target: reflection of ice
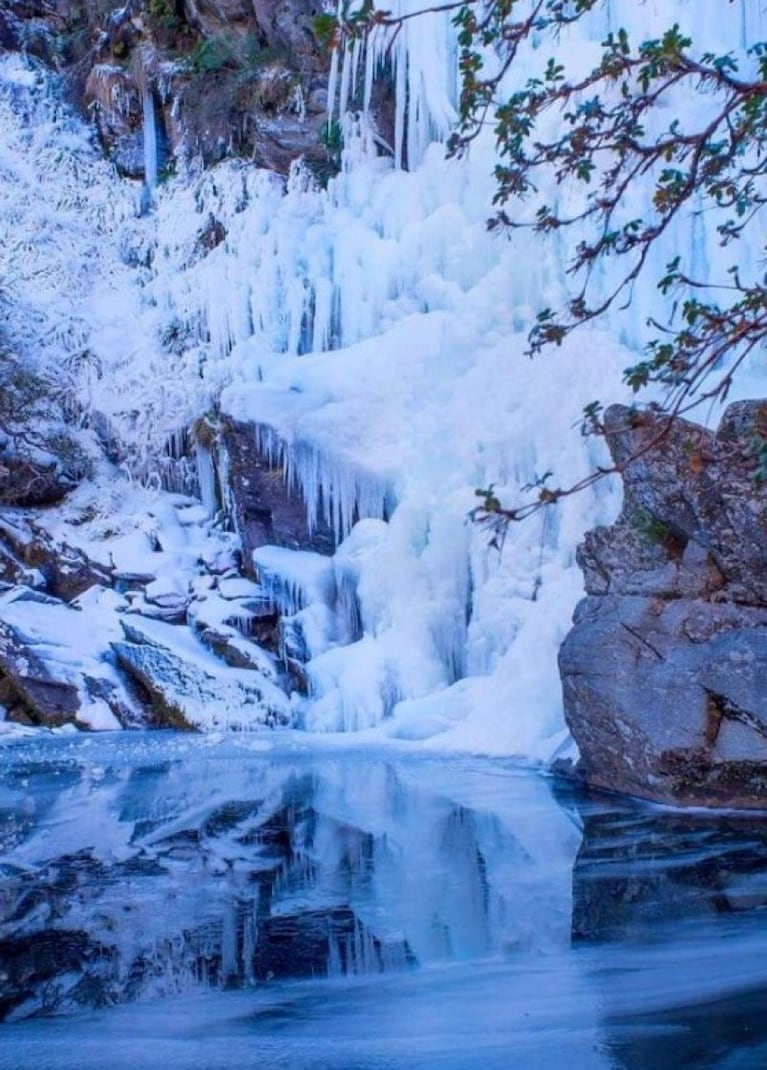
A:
x,y
222,869
668,925
343,909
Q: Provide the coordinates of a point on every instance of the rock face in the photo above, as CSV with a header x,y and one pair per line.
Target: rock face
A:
x,y
28,552
226,77
665,670
24,482
26,678
265,510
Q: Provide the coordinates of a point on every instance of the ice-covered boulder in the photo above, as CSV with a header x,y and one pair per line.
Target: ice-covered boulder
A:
x,y
29,687
51,667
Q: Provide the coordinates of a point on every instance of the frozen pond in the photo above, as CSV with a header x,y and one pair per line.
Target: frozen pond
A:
x,y
175,901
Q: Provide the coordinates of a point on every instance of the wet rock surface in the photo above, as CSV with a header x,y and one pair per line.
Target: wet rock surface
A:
x,y
664,670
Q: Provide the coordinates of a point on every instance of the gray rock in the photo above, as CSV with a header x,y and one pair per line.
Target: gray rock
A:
x,y
239,652
683,483
664,673
278,141
288,25
127,154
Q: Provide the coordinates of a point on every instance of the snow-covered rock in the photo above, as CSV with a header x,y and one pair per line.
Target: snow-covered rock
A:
x,y
53,664
189,687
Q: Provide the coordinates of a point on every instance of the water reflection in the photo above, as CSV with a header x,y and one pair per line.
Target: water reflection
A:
x,y
121,881
382,911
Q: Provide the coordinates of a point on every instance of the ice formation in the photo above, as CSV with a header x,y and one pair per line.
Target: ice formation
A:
x,y
149,128
375,332
335,489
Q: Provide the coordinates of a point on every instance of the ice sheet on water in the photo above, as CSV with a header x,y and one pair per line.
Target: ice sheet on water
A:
x,y
341,857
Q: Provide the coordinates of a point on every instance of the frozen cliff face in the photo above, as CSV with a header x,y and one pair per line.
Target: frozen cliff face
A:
x,y
222,78
376,332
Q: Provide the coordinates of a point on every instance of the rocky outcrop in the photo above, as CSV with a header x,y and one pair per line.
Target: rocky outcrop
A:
x,y
28,687
24,482
225,78
40,684
265,509
112,95
102,647
29,554
665,670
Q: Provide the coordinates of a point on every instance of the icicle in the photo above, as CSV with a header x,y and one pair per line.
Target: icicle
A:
x,y
347,603
294,579
400,109
371,63
334,490
206,476
333,76
357,49
334,966
323,312
150,141
346,77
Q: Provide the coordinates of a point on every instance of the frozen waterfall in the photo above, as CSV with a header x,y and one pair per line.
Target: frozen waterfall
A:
x,y
149,129
379,331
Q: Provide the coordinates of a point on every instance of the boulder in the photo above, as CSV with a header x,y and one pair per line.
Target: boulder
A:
x,y
238,652
28,550
288,25
68,571
52,665
189,688
24,482
33,693
664,670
